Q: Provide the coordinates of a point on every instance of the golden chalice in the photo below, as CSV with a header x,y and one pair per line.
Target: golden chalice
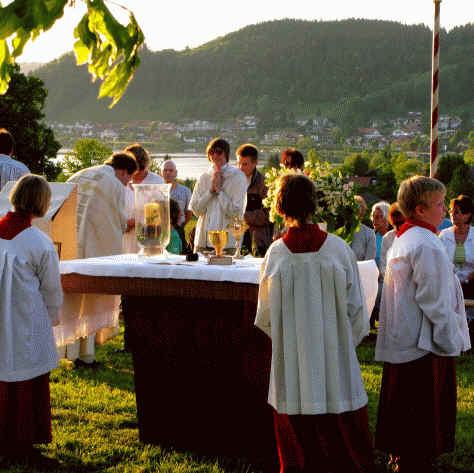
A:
x,y
218,239
238,227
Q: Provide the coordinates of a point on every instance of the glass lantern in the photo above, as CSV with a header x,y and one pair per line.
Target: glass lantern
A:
x,y
152,218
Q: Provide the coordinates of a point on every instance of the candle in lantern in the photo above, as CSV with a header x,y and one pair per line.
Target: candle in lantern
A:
x,y
152,213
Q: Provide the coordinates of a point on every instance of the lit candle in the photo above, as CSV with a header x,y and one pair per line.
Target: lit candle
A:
x,y
152,213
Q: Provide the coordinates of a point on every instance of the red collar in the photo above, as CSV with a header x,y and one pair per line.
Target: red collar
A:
x,y
14,223
306,239
412,222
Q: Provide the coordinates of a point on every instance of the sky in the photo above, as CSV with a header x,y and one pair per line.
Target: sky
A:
x,y
178,24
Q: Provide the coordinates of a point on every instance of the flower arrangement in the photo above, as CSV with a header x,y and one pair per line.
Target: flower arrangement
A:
x,y
336,207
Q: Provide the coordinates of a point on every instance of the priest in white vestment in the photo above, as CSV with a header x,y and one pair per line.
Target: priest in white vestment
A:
x,y
219,195
101,222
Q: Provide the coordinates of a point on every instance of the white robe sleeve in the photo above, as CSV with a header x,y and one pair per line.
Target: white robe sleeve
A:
x,y
50,284
201,197
232,198
432,294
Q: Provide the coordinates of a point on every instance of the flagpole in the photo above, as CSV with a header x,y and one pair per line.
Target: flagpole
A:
x,y
435,94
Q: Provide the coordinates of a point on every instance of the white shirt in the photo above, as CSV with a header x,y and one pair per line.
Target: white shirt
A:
x,y
214,211
10,169
387,242
312,308
153,178
422,308
30,297
449,241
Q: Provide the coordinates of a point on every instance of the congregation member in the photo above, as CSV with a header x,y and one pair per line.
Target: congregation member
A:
x,y
219,195
311,305
363,245
101,222
175,244
422,329
459,243
142,175
396,219
259,235
182,195
30,298
291,158
10,169
178,192
379,217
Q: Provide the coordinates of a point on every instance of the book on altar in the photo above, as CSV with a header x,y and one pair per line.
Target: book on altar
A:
x,y
59,222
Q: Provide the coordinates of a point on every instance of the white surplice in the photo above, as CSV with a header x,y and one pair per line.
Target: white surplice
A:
x,y
101,221
311,306
214,211
30,297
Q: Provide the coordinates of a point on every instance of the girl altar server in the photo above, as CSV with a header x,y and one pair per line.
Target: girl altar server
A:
x,y
30,296
311,306
422,329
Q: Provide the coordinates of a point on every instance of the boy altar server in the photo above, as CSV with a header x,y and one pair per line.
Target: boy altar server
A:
x,y
422,329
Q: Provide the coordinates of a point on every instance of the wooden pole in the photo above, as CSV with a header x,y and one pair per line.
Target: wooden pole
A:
x,y
435,94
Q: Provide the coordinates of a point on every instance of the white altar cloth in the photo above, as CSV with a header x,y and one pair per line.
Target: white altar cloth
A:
x,y
72,326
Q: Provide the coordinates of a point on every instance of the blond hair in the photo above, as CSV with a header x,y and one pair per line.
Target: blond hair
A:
x,y
31,195
415,191
361,204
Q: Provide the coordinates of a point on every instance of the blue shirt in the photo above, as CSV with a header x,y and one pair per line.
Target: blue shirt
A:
x,y
378,242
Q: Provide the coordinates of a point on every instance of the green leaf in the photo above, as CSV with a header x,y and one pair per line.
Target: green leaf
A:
x,y
5,66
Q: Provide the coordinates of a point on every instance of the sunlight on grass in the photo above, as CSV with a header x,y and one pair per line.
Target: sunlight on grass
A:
x,y
95,425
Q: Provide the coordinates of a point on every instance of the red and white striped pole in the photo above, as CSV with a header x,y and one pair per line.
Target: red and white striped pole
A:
x,y
435,94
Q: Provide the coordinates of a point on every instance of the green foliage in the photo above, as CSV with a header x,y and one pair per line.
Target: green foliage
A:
x,y
110,49
21,112
350,70
356,165
273,161
460,182
447,165
87,152
313,156
404,167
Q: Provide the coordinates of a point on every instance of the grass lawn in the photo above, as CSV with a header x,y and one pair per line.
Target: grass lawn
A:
x,y
95,424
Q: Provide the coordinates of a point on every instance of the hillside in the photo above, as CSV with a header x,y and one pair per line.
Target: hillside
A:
x,y
349,70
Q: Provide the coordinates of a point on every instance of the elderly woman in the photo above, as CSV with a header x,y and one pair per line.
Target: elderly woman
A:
x,y
459,242
422,329
219,195
292,159
396,219
30,297
363,245
311,306
379,216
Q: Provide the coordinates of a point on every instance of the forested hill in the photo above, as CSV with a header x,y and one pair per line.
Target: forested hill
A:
x,y
350,70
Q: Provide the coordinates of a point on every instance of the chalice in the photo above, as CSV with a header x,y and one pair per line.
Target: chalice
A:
x,y
237,227
218,239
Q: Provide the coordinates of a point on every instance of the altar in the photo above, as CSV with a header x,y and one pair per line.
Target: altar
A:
x,y
201,367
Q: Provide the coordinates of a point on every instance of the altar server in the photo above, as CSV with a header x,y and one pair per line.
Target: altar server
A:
x,y
310,304
422,329
30,297
219,195
101,222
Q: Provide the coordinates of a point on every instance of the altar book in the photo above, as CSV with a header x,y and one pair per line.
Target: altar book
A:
x,y
60,219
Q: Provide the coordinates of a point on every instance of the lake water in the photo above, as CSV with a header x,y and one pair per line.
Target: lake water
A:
x,y
190,165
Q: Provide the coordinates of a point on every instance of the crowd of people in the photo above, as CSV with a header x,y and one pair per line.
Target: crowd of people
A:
x,y
310,301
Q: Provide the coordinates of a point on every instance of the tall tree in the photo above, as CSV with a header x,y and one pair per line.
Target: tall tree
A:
x,y
21,112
